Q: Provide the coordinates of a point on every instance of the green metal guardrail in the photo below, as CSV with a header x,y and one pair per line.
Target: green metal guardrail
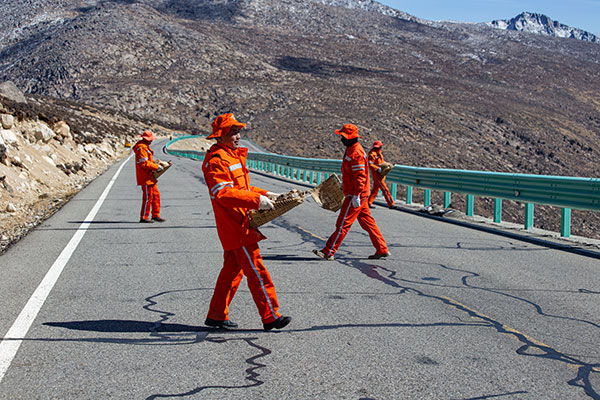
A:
x,y
558,191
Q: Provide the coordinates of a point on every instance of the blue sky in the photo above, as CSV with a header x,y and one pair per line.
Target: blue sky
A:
x,y
583,14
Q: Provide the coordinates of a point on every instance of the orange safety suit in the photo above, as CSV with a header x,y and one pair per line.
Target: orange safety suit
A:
x,y
231,196
355,182
375,160
144,166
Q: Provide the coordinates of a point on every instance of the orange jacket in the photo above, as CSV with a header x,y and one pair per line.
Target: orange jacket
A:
x,y
231,195
375,159
144,163
355,172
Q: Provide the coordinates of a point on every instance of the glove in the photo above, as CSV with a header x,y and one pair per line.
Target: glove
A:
x,y
160,168
379,169
273,196
355,201
265,203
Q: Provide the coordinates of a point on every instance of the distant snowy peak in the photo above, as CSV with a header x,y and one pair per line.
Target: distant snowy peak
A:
x,y
543,25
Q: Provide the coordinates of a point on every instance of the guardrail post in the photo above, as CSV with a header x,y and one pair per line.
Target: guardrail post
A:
x,y
318,178
498,210
565,222
394,191
528,215
447,199
409,192
311,177
470,204
427,197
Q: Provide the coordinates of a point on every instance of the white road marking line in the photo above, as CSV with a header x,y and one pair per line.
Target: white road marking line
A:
x,y
14,337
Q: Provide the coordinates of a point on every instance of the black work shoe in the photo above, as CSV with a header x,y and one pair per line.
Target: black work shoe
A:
x,y
227,324
377,256
279,323
323,255
146,221
392,207
158,219
372,206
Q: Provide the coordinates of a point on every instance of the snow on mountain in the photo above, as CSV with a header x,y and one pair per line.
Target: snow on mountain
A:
x,y
543,25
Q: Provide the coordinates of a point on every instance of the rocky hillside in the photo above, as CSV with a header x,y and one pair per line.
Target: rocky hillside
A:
x,y
49,150
442,95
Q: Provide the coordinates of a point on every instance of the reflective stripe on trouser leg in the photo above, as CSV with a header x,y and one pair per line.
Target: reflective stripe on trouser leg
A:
x,y
343,224
367,222
374,192
227,284
155,201
386,193
379,183
260,284
146,205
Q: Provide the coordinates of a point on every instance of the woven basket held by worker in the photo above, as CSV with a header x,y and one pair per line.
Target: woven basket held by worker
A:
x,y
283,204
165,166
385,168
329,194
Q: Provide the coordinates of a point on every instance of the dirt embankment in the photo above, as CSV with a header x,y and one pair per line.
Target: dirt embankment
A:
x,y
49,152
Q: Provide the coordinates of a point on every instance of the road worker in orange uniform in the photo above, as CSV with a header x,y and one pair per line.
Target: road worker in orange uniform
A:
x,y
144,167
375,160
232,195
355,181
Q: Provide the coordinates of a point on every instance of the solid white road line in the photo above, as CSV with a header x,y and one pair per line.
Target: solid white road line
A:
x,y
14,337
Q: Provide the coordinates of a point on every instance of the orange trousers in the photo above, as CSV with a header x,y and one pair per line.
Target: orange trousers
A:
x,y
237,263
348,215
150,201
379,183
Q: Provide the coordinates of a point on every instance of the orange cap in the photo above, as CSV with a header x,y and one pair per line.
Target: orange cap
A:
x,y
348,131
148,135
222,124
377,143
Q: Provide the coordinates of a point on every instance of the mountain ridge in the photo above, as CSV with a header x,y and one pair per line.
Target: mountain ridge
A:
x,y
544,25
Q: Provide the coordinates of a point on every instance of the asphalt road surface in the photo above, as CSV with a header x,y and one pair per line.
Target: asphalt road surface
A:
x,y
95,305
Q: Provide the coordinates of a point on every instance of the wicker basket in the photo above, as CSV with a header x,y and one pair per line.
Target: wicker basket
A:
x,y
329,194
385,168
165,165
261,217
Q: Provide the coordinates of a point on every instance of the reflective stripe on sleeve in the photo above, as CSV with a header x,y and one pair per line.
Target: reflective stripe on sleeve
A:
x,y
220,186
235,166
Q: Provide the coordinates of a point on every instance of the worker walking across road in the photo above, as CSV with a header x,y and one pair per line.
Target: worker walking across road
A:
x,y
231,195
355,181
144,168
375,160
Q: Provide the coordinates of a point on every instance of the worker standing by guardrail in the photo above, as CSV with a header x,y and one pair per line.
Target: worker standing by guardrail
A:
x,y
355,181
231,195
376,161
